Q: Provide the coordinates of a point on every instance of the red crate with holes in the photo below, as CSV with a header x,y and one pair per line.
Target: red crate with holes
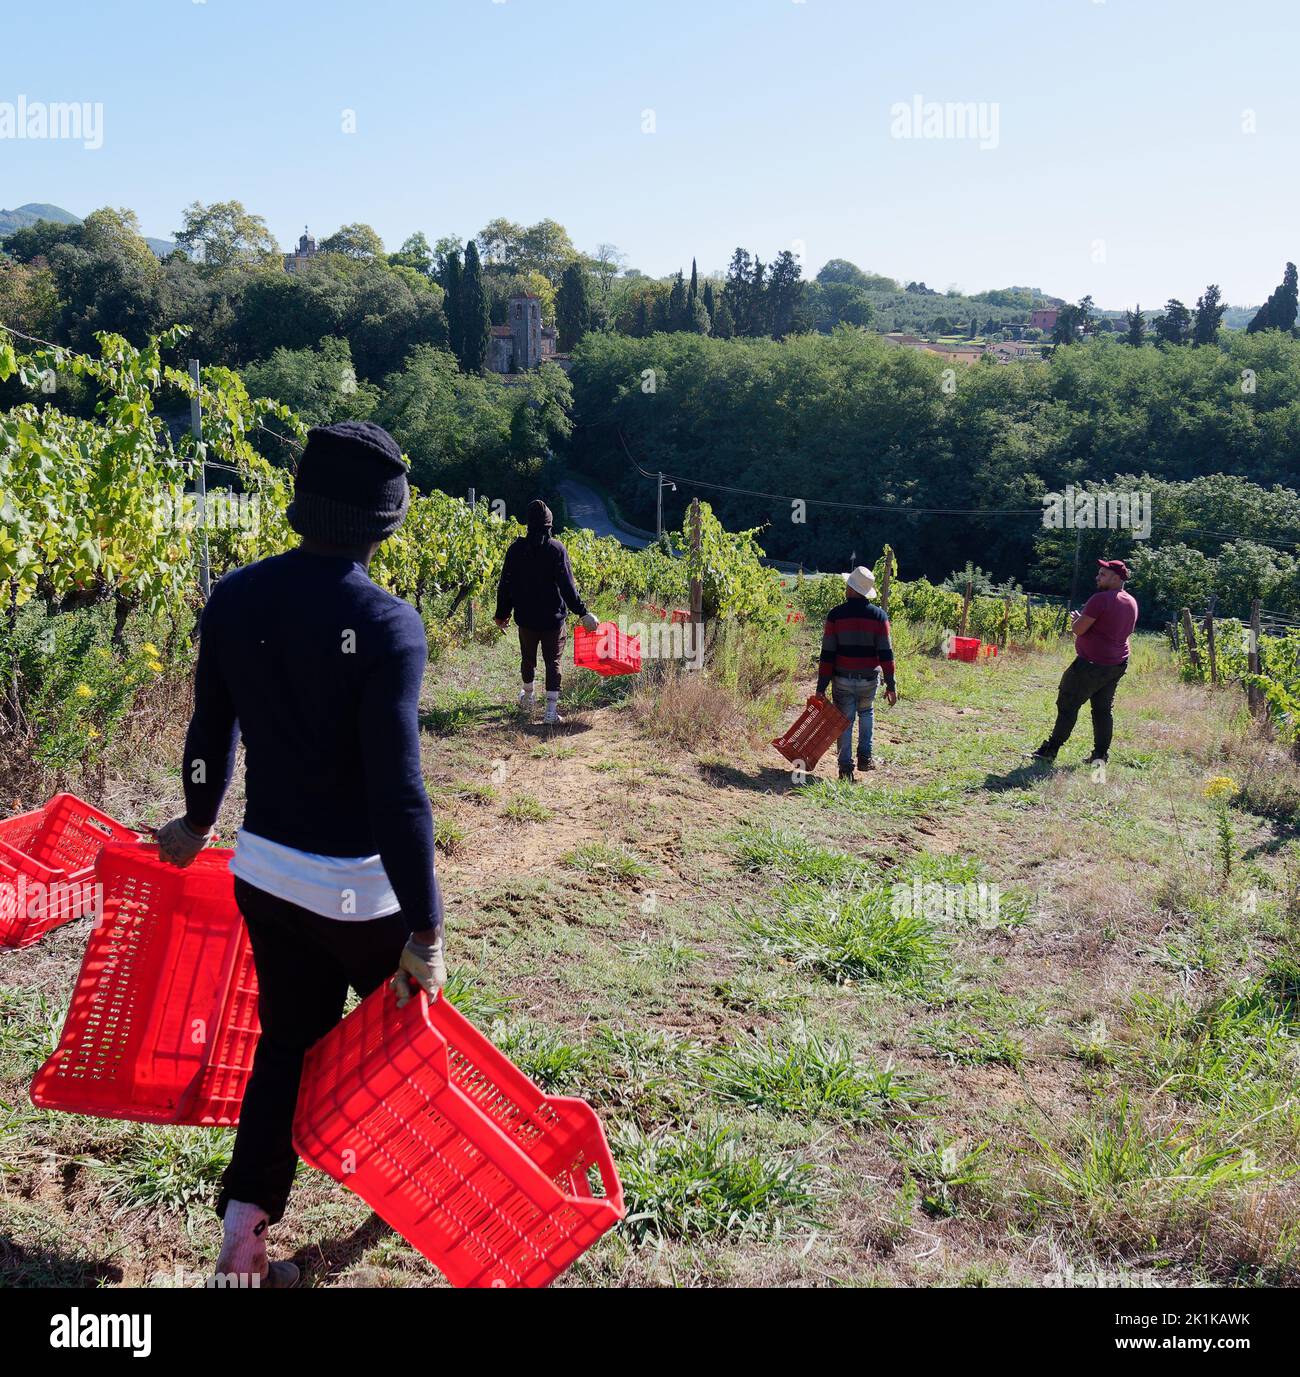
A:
x,y
163,1021
496,1183
966,648
47,862
814,731
607,650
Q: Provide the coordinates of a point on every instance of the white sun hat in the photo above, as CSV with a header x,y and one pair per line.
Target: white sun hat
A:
x,y
861,580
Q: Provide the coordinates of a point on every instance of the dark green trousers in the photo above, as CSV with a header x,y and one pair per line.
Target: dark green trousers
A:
x,y
1083,683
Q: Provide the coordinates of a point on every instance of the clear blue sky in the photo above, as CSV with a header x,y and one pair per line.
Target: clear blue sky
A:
x,y
1118,122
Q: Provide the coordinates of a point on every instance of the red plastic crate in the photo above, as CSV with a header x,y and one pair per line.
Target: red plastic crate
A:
x,y
163,1021
443,1137
965,648
813,732
55,848
681,616
607,650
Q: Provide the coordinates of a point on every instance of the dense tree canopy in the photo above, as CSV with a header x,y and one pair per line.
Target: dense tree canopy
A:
x,y
848,419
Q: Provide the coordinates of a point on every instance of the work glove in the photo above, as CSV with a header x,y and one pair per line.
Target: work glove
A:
x,y
421,967
179,843
591,622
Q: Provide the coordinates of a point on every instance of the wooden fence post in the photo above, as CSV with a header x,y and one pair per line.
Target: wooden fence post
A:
x,y
1253,695
1209,648
1029,620
697,585
965,608
886,575
1189,635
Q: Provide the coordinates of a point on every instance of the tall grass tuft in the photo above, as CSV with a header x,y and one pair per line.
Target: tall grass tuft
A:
x,y
849,935
808,1076
699,1183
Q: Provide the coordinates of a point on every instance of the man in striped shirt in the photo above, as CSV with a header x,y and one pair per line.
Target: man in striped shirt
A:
x,y
855,655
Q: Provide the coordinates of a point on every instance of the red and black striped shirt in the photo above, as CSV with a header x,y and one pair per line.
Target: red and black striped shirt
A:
x,y
855,643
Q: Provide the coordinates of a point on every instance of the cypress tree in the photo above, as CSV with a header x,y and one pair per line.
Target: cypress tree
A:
x,y
677,318
724,327
474,313
572,307
452,280
1136,333
693,292
1209,312
1279,311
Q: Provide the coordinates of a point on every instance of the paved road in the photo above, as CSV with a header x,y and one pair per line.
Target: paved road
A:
x,y
587,508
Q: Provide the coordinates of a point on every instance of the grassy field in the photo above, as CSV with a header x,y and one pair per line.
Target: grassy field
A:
x,y
1082,1073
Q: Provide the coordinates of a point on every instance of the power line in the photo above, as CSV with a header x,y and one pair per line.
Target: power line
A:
x,y
915,511
824,502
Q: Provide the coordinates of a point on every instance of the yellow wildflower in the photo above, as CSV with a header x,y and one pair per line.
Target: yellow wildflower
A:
x,y
1220,787
150,650
83,691
156,666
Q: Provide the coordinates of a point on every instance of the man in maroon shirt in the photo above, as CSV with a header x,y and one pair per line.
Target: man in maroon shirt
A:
x,y
1101,633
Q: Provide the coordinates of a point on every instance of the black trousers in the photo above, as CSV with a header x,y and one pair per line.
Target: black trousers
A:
x,y
550,642
1083,683
305,964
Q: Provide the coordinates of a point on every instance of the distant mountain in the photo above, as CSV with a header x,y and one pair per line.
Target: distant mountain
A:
x,y
29,214
11,220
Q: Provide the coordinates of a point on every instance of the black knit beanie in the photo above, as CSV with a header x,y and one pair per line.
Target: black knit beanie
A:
x,y
351,485
537,517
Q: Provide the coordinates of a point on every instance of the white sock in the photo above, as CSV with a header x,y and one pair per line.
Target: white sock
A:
x,y
243,1244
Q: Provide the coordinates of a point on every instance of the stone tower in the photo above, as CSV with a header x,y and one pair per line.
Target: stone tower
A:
x,y
526,330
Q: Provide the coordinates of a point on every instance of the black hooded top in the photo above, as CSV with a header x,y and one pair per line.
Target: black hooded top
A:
x,y
536,577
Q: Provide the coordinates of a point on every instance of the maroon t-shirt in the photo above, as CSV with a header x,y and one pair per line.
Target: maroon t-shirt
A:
x,y
1106,641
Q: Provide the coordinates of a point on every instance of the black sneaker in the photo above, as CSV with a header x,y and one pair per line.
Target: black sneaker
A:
x,y
866,764
846,771
1042,753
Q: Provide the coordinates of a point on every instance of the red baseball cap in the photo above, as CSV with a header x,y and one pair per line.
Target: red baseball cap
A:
x,y
1116,566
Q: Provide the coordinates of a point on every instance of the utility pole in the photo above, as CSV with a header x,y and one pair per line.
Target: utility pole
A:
x,y
659,506
200,481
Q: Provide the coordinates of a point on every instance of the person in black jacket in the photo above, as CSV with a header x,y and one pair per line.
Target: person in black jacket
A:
x,y
319,671
537,585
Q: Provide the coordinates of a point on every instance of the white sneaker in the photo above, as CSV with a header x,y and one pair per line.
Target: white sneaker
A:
x,y
552,717
525,702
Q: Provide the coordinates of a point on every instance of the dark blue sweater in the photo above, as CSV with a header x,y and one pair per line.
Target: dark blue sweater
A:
x,y
537,583
319,670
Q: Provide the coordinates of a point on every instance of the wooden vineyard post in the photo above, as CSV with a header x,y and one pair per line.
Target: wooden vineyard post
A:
x,y
1006,622
469,606
1189,635
965,607
1253,695
1029,620
1209,648
697,584
885,580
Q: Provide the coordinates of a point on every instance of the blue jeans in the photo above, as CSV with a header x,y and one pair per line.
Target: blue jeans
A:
x,y
856,696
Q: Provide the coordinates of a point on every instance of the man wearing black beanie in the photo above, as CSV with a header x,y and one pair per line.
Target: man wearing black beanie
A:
x,y
537,585
319,670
